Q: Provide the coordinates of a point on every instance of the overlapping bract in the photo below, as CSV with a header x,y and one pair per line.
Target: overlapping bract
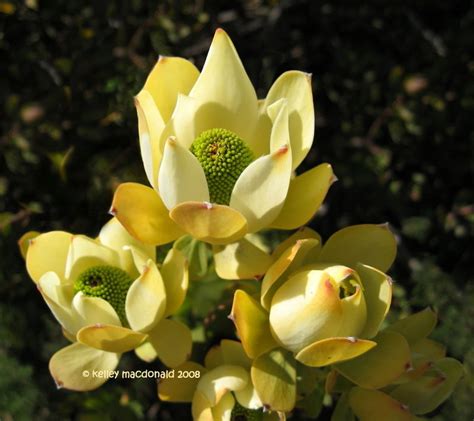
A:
x,y
321,302
224,385
175,107
318,305
122,315
406,375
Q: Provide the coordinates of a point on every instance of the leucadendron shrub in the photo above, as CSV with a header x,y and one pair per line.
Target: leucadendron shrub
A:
x,y
222,169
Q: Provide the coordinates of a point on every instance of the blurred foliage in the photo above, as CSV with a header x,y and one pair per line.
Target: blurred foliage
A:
x,y
394,94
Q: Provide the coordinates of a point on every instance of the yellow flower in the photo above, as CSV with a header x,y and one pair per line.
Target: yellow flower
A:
x,y
109,296
219,390
320,302
220,161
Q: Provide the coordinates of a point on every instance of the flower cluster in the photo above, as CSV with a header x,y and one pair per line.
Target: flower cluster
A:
x,y
109,297
310,318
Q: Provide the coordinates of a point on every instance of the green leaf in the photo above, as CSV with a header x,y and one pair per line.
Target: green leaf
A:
x,y
312,404
342,411
416,326
371,405
429,391
197,254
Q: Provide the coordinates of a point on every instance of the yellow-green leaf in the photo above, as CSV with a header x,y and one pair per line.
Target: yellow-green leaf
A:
x,y
174,272
305,196
73,367
378,297
253,327
416,326
48,253
170,76
170,341
426,393
290,260
174,389
274,378
110,338
381,365
217,382
372,245
241,260
24,241
301,234
333,350
146,299
371,405
215,224
142,212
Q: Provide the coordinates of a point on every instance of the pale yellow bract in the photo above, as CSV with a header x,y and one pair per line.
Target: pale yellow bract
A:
x,y
224,380
56,259
323,303
176,105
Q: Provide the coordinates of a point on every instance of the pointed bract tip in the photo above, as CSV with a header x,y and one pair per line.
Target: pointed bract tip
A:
x,y
297,245
404,407
328,284
231,317
352,339
171,140
282,150
113,211
385,225
59,383
99,325
146,269
207,205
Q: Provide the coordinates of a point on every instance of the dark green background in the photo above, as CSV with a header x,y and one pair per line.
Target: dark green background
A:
x,y
394,89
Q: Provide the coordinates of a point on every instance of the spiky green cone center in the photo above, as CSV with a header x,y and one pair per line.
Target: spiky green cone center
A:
x,y
240,413
223,156
106,282
348,287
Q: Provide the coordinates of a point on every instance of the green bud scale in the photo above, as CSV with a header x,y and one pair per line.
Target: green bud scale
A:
x,y
223,156
106,282
348,287
240,413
